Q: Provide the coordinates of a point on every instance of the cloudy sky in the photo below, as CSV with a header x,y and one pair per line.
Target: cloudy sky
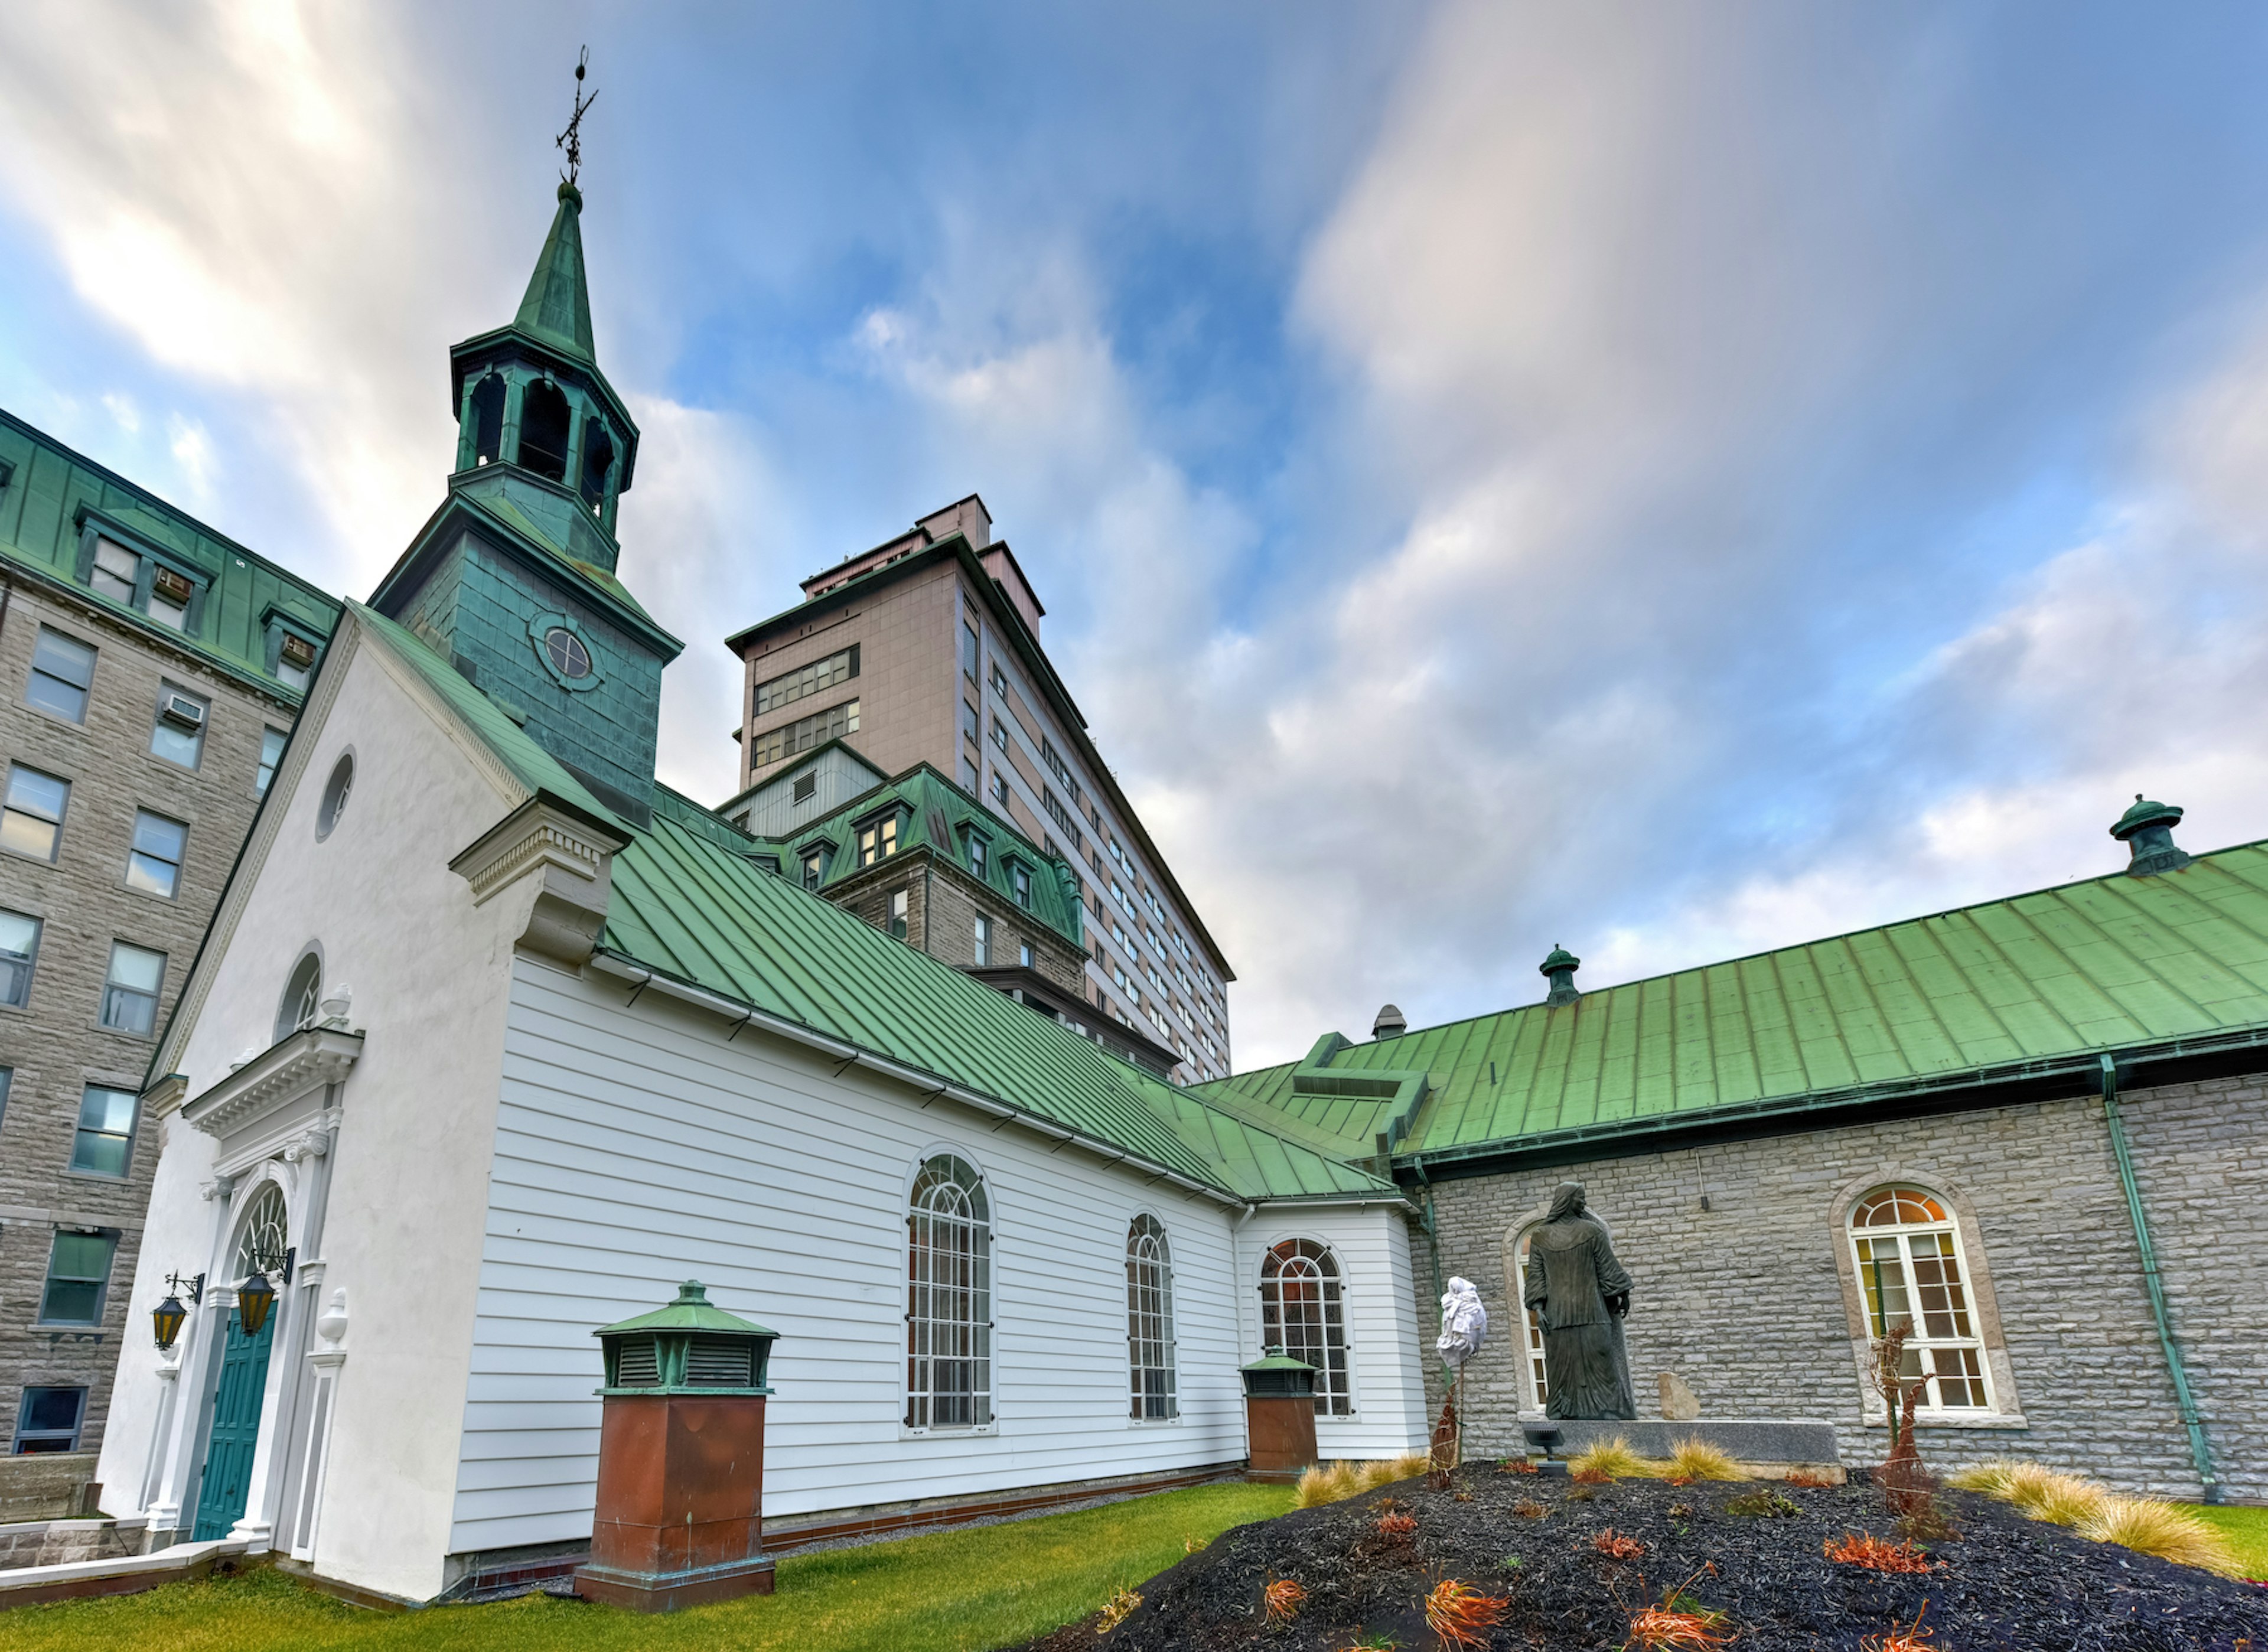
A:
x,y
1672,480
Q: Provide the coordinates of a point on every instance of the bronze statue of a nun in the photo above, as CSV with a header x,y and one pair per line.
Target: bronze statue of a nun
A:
x,y
1579,1294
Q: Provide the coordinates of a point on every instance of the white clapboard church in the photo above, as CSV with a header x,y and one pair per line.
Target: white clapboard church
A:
x,y
493,1041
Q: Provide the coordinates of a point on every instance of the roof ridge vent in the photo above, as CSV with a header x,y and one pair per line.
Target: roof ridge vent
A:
x,y
1390,1022
2147,831
1559,967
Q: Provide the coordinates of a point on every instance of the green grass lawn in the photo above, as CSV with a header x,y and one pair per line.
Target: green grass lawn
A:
x,y
2247,1529
954,1591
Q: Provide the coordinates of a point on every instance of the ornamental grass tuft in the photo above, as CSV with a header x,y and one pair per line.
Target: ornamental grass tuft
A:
x,y
1993,1477
1462,1616
1612,1459
1326,1483
2149,1527
1696,1459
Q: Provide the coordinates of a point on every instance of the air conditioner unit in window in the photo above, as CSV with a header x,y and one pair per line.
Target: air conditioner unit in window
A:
x,y
171,586
183,712
298,651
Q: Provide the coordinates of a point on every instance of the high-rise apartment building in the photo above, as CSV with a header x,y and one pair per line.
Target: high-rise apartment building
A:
x,y
150,670
926,650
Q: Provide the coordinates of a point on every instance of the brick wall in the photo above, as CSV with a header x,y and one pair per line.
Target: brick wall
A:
x,y
54,1044
1746,1302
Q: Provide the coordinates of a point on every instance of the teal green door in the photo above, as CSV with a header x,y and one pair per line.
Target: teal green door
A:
x,y
235,1428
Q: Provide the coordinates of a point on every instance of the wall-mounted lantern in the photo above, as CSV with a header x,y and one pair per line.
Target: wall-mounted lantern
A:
x,y
169,1315
255,1296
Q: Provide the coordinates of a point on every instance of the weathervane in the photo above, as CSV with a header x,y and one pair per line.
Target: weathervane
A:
x,y
571,139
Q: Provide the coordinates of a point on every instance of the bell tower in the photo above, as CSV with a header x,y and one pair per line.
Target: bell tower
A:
x,y
513,579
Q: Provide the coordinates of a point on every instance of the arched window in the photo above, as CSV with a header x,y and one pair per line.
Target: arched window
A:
x,y
1149,1321
598,458
487,418
303,996
948,1298
1301,1311
261,1241
543,420
1908,1250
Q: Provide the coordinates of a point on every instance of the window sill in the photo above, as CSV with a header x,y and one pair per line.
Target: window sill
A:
x,y
990,1431
121,1032
97,1176
1154,1422
43,1327
2008,1422
57,718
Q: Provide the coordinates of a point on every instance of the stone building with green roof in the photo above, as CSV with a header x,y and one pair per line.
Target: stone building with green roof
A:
x,y
575,1038
2034,1126
152,668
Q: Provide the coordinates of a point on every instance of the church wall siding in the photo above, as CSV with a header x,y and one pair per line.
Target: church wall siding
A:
x,y
1744,1301
636,1148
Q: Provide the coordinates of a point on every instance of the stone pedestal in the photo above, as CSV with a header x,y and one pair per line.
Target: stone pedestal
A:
x,y
1767,1449
680,1520
680,1516
1280,1436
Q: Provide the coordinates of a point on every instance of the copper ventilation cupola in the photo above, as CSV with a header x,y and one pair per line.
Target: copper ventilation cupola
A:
x,y
1559,967
2147,831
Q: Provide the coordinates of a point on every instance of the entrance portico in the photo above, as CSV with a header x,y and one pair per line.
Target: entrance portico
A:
x,y
243,1420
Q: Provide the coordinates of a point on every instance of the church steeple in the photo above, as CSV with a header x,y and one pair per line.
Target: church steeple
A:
x,y
513,580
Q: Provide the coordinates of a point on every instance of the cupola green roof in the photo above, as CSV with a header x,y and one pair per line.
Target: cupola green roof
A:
x,y
2145,813
557,307
691,1311
1558,958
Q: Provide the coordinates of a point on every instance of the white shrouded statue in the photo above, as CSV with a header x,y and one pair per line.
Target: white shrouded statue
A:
x,y
1464,1324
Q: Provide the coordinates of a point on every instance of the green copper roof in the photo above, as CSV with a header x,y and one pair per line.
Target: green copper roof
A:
x,y
2101,965
689,902
935,814
691,1311
557,307
50,497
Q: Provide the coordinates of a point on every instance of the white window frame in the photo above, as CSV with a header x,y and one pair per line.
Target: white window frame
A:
x,y
1153,1388
1334,1383
969,1329
1925,1351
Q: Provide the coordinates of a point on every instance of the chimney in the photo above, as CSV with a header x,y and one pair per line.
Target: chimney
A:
x,y
2147,831
1390,1023
1559,969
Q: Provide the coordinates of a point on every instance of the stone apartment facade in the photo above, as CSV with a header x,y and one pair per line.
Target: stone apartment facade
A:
x,y
926,649
136,754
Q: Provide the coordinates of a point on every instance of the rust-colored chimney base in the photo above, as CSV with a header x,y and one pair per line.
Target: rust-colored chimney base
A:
x,y
679,1519
1280,1435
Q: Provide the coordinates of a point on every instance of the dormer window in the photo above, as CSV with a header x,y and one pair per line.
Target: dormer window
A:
x,y
291,653
814,867
878,840
130,574
1019,884
979,854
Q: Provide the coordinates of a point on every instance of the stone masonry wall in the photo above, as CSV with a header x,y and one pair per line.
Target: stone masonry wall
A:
x,y
1746,1302
54,1044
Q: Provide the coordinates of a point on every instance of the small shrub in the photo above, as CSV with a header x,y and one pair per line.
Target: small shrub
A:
x,y
1693,1459
1581,1494
1514,1465
1284,1598
1912,1638
1529,1508
1808,1480
1395,1527
1123,1601
1327,1483
1861,1548
2149,1527
1614,1547
1462,1616
1764,1506
1464,1497
1608,1460
1590,1477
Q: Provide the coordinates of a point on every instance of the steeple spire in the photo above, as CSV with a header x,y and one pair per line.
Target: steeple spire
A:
x,y
557,307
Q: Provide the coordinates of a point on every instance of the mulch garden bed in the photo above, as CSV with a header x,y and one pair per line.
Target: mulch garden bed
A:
x,y
2005,1582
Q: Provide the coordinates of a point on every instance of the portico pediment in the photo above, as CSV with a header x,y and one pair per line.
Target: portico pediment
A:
x,y
274,1080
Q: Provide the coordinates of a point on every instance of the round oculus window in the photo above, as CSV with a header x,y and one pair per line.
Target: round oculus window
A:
x,y
334,796
565,651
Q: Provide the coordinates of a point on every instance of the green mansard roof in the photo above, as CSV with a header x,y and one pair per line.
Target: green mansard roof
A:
x,y
50,497
1999,992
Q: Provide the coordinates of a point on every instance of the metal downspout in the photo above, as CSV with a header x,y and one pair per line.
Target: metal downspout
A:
x,y
2200,1452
